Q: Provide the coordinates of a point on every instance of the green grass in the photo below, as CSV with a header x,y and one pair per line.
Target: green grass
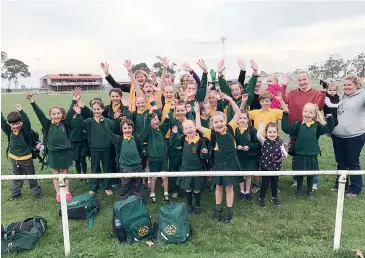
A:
x,y
299,228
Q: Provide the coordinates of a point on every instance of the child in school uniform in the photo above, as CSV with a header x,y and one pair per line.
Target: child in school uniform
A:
x,y
17,127
57,143
194,151
272,154
224,157
154,133
100,145
248,150
305,146
129,152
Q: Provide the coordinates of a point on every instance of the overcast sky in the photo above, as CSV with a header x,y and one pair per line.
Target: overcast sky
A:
x,y
75,36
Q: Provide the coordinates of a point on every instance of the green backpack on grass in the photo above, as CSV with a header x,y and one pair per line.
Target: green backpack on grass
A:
x,y
23,235
131,222
173,224
83,206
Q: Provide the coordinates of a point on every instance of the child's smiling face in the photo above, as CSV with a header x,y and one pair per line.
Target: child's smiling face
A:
x,y
219,123
97,110
155,122
148,89
180,110
140,103
191,89
169,93
189,128
236,91
272,133
243,119
56,115
309,114
115,98
140,78
127,130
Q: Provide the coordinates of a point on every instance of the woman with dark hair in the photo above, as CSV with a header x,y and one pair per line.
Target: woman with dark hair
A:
x,y
349,135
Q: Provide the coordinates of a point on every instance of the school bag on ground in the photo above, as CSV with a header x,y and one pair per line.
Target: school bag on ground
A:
x,y
83,206
173,223
23,235
131,222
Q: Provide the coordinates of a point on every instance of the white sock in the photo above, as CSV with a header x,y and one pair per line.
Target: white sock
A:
x,y
166,193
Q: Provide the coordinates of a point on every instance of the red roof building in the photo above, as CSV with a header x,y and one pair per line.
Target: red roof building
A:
x,y
67,82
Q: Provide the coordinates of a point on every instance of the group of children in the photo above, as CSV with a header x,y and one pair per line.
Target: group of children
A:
x,y
199,127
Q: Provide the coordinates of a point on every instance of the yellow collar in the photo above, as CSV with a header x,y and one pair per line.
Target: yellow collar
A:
x,y
115,109
195,140
268,110
184,118
224,131
204,117
243,129
191,98
15,132
308,124
53,122
140,112
169,102
127,137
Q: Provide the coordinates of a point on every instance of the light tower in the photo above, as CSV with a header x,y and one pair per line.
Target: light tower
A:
x,y
39,82
223,39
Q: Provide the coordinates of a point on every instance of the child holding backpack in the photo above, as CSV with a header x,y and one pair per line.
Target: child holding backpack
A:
x,y
224,157
56,141
305,147
18,129
194,151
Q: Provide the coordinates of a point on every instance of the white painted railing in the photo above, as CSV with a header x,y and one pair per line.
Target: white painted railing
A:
x,y
61,177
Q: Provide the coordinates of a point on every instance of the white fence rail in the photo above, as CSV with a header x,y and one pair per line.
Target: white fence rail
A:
x,y
61,177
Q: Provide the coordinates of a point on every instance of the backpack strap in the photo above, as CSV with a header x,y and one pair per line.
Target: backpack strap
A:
x,y
200,144
318,135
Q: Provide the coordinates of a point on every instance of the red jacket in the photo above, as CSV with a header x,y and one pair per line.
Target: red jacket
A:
x,y
273,89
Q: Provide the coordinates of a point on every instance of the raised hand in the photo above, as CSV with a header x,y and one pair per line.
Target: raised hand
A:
x,y
196,107
125,102
188,107
155,88
77,109
225,96
285,79
254,66
186,67
244,97
76,93
30,97
278,96
165,63
18,107
80,103
174,129
153,77
221,67
117,114
241,64
172,105
105,67
202,65
128,65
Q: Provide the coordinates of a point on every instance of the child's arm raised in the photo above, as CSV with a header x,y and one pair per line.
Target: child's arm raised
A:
x,y
128,66
25,119
223,85
254,143
186,67
200,95
165,126
175,141
45,122
110,79
250,89
285,81
198,125
260,131
115,139
279,98
327,128
189,112
242,75
236,109
145,132
321,99
4,125
285,126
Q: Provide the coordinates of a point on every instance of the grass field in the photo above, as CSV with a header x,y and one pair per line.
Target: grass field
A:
x,y
299,228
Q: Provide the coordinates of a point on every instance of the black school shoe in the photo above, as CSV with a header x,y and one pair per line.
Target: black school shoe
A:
x,y
299,193
190,209
38,196
217,214
275,201
310,196
249,197
262,202
242,196
227,218
197,210
166,199
15,197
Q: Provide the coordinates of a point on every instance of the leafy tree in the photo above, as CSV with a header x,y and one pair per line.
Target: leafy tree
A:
x,y
359,64
141,66
13,68
4,57
332,67
314,71
157,67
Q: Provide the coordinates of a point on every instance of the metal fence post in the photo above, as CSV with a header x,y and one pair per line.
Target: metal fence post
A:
x,y
339,210
66,234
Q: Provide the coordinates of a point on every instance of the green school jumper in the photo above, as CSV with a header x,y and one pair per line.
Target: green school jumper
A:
x,y
156,149
224,157
200,95
57,140
100,147
249,160
306,146
249,90
191,161
77,132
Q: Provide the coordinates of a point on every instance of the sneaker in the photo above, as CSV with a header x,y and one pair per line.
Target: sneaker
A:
x,y
190,209
217,214
197,210
108,192
174,195
255,188
166,198
68,196
315,187
351,195
299,193
58,197
275,201
153,198
16,197
241,196
38,196
262,202
227,218
249,197
310,196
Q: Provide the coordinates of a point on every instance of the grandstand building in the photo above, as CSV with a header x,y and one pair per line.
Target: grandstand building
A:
x,y
67,82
